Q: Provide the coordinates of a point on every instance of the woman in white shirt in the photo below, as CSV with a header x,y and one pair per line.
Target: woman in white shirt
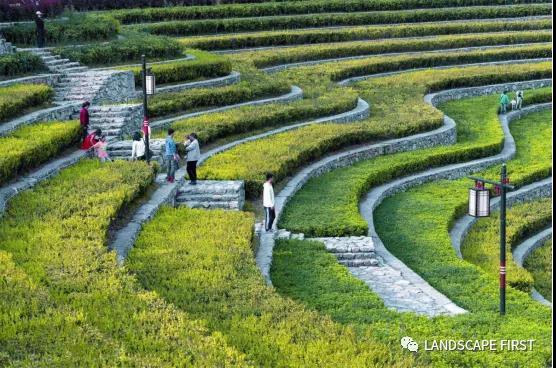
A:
x,y
193,152
138,147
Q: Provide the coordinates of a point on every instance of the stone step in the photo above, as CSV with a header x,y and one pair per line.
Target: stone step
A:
x,y
55,62
232,205
213,186
359,262
76,69
357,255
107,132
206,197
351,249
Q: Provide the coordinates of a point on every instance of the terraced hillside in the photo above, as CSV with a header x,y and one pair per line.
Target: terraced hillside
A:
x,y
368,113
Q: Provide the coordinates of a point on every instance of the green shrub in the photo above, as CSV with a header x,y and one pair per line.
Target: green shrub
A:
x,y
32,145
20,63
482,243
123,51
175,102
204,66
247,119
312,36
539,264
202,262
268,58
397,111
283,8
57,235
328,205
17,98
79,28
211,26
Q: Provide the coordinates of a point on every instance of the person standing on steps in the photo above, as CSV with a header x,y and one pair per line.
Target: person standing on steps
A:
x,y
268,202
39,24
171,156
519,99
504,101
193,152
138,147
84,119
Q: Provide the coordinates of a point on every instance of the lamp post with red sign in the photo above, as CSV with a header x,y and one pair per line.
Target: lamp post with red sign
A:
x,y
479,206
148,89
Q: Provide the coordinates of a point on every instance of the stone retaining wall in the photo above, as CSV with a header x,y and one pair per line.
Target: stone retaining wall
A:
x,y
49,79
232,78
63,112
118,87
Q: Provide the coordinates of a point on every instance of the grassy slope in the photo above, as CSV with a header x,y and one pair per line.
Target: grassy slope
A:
x,y
539,264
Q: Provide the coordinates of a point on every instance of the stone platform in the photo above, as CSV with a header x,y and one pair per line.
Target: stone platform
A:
x,y
212,194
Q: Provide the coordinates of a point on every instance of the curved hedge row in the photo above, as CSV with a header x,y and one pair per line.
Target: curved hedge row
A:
x,y
143,15
255,118
397,111
203,67
211,26
329,204
20,63
202,262
481,245
56,234
164,104
32,145
122,51
17,98
79,28
311,36
539,264
268,58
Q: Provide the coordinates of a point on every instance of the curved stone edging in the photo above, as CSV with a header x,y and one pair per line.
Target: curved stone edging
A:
x,y
62,112
524,250
36,176
281,67
441,136
232,78
351,80
49,79
296,93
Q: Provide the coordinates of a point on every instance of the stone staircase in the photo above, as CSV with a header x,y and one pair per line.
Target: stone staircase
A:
x,y
212,194
122,150
116,121
56,63
354,251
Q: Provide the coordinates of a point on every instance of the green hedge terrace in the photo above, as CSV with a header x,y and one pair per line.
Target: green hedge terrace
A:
x,y
263,59
539,264
251,119
481,245
414,226
66,302
211,26
127,50
205,66
79,28
334,197
29,146
20,64
283,153
285,8
166,104
202,262
312,36
17,99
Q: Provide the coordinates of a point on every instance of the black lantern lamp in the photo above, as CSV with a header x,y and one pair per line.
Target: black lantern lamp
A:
x,y
479,200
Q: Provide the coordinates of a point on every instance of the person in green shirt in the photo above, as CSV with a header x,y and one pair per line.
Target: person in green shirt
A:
x,y
504,101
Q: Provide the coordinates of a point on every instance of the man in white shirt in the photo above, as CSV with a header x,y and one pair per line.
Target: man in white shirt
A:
x,y
193,152
268,202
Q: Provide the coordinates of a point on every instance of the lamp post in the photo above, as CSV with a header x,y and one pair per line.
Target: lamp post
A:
x,y
479,206
148,89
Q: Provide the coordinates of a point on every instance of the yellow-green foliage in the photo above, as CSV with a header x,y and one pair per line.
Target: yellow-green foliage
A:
x,y
397,109
539,264
32,145
17,98
482,243
202,262
56,234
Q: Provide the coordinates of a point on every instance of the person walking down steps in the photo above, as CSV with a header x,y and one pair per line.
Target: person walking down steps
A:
x,y
171,156
39,25
268,202
193,152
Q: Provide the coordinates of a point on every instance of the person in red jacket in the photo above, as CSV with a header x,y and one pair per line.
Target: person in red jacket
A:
x,y
92,139
84,119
